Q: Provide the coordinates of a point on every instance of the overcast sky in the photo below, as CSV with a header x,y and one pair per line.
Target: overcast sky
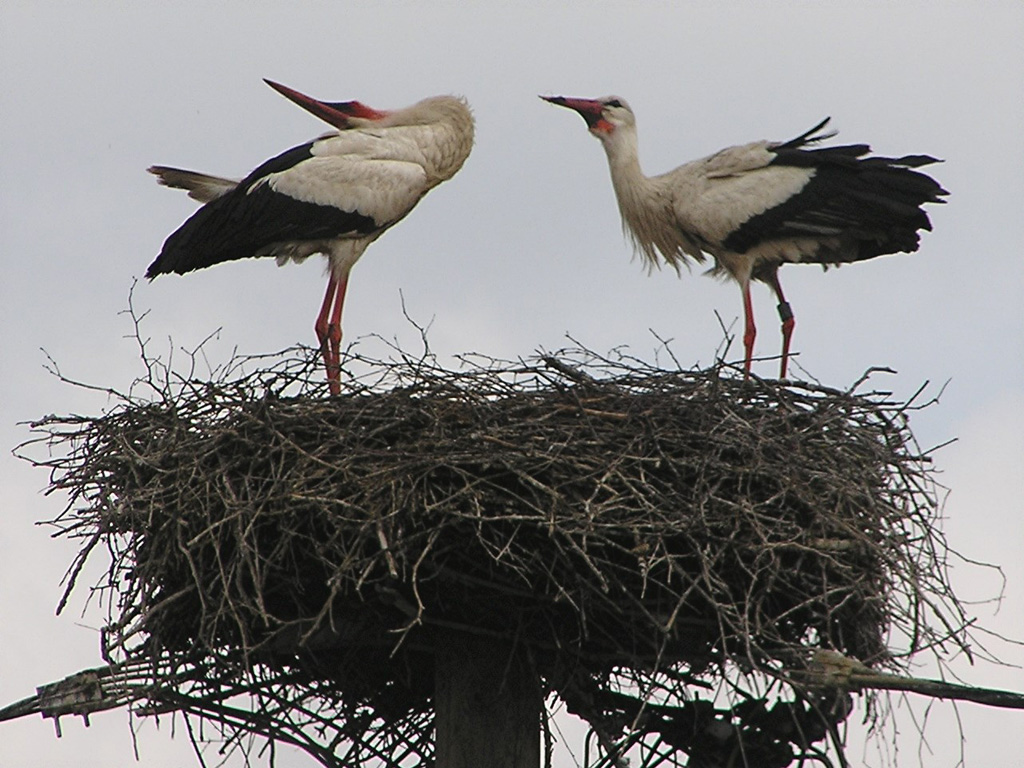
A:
x,y
521,248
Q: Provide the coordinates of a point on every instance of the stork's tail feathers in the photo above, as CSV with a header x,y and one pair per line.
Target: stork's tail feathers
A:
x,y
200,186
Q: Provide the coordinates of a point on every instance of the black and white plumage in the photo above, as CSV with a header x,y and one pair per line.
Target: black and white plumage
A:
x,y
757,206
333,196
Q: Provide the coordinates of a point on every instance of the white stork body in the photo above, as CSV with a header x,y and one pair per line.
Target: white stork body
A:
x,y
757,206
334,196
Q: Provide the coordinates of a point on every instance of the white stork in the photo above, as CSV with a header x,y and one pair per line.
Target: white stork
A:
x,y
757,206
334,196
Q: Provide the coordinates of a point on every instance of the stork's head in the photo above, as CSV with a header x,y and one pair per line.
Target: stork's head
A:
x,y
604,116
341,114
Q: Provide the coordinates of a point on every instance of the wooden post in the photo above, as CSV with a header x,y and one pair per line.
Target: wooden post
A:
x,y
487,705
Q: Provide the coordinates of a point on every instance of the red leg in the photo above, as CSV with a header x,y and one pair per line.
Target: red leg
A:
x,y
321,320
788,321
750,331
334,337
328,331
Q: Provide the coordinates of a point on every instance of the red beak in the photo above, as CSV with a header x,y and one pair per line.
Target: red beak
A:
x,y
336,113
589,109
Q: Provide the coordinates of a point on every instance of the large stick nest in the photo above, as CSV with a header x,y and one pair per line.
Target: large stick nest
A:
x,y
610,520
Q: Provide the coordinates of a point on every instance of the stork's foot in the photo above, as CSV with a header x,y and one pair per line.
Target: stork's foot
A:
x,y
748,350
334,367
334,378
330,350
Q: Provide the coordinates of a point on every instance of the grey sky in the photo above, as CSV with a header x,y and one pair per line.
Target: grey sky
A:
x,y
522,247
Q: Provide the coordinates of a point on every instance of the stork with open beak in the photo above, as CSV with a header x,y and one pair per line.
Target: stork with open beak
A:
x,y
758,206
333,196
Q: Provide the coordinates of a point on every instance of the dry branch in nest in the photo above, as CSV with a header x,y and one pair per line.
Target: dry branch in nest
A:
x,y
645,538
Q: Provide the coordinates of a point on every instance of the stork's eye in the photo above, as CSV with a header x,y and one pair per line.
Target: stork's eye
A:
x,y
613,103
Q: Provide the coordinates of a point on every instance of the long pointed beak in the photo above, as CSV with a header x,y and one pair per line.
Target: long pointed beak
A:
x,y
330,113
337,113
589,109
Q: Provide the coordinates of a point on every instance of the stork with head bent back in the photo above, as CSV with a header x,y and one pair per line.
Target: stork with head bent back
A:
x,y
334,196
757,206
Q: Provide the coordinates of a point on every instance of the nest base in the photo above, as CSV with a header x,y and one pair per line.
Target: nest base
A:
x,y
634,538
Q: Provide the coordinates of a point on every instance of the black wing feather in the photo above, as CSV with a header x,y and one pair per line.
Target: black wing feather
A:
x,y
873,204
241,223
287,159
808,137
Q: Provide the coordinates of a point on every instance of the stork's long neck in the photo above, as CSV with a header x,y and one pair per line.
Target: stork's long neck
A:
x,y
453,151
631,186
445,137
643,203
